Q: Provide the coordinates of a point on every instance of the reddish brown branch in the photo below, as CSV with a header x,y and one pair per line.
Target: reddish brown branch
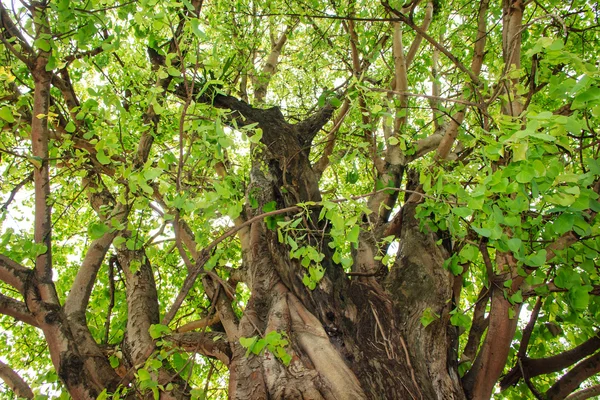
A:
x,y
478,326
410,56
79,296
547,365
572,379
529,329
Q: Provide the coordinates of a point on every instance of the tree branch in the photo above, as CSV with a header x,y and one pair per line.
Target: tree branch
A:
x,y
210,344
367,122
16,309
13,193
476,63
323,162
270,66
13,273
199,324
479,325
585,393
41,175
15,382
572,379
433,42
541,366
529,329
308,128
10,31
414,47
79,296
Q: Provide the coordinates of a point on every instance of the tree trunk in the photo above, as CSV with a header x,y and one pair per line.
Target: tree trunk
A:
x,y
348,339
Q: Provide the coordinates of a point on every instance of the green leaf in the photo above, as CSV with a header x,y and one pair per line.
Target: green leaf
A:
x,y
563,223
6,114
248,343
114,361
198,394
97,230
525,175
144,375
270,206
173,71
70,127
537,259
469,253
517,297
102,158
292,243
579,297
520,151
514,245
460,319
353,233
157,330
42,44
428,317
462,212
584,98
483,231
152,173
195,23
561,199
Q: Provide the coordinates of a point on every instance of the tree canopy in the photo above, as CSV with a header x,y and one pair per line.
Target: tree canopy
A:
x,y
310,199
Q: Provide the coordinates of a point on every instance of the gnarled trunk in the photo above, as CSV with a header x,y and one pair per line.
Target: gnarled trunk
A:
x,y
359,338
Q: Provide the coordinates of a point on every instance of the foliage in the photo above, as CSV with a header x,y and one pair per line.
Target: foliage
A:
x,y
140,150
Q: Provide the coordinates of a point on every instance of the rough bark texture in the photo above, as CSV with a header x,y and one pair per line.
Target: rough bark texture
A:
x,y
349,339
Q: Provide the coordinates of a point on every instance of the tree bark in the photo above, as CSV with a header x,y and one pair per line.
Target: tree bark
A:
x,y
348,339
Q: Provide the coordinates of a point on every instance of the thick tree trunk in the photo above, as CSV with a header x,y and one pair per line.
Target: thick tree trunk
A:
x,y
348,339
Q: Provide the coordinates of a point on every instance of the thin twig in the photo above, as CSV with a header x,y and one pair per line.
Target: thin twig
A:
x,y
13,193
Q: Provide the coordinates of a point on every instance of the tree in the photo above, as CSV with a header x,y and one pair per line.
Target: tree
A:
x,y
292,200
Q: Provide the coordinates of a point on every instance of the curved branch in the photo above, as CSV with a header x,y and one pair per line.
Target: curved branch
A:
x,y
585,393
529,329
199,324
410,56
572,379
308,128
210,344
79,296
323,162
15,382
13,273
13,193
16,309
547,365
11,31
478,327
433,42
270,66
